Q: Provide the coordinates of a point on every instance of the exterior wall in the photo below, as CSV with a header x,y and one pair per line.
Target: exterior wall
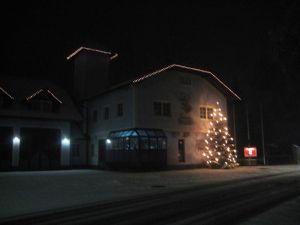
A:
x,y
185,122
100,129
17,124
90,74
78,145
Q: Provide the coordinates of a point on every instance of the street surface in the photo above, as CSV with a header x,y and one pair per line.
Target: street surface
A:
x,y
168,197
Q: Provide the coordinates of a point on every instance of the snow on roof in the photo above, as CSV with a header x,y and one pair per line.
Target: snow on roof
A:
x,y
111,55
5,92
24,89
178,66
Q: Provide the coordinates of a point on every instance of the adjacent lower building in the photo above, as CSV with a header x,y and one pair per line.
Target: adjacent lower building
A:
x,y
36,122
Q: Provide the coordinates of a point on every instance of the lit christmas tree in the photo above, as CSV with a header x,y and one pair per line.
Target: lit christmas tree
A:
x,y
219,151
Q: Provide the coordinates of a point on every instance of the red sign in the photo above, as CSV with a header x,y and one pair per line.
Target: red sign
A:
x,y
250,152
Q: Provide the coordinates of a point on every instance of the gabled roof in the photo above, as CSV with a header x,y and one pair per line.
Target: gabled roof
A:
x,y
110,54
6,93
46,91
207,74
25,89
186,68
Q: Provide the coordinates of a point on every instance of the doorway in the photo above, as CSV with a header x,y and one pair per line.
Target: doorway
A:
x,y
101,153
181,150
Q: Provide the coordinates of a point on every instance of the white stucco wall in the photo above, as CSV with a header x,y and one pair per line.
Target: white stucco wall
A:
x,y
167,87
100,129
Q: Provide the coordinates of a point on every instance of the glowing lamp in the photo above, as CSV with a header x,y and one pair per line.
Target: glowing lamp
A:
x,y
16,140
65,141
108,141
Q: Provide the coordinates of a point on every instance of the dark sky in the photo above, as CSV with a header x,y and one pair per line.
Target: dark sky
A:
x,y
225,38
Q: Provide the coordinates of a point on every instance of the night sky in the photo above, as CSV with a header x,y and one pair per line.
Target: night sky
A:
x,y
253,46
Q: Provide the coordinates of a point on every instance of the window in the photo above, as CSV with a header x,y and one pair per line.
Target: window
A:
x,y
144,143
92,150
210,112
167,109
202,112
143,139
41,105
157,109
134,145
206,112
186,81
76,150
162,109
120,109
106,113
153,143
95,116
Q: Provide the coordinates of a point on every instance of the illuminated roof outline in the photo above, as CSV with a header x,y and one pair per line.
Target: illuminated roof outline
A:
x,y
157,72
111,55
5,92
40,91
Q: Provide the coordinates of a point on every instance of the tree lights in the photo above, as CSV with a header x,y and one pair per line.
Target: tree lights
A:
x,y
219,150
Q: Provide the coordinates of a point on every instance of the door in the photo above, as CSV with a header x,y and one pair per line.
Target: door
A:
x,y
40,149
101,152
181,150
6,135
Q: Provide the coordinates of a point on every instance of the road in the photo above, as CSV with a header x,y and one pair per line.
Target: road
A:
x,y
223,203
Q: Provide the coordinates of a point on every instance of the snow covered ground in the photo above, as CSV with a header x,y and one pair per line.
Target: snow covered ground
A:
x,y
31,192
287,213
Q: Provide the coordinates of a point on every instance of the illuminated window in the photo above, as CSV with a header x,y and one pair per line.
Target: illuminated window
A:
x,y
206,112
210,112
203,112
162,109
106,113
120,109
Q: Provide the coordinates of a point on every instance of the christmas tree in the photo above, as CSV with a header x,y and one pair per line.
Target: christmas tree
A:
x,y
220,150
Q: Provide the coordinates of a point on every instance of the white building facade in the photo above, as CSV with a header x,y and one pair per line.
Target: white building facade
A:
x,y
176,99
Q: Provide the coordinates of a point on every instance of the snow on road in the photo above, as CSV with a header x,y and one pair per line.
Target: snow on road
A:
x,y
30,192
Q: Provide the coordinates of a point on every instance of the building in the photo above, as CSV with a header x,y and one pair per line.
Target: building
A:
x,y
36,122
157,119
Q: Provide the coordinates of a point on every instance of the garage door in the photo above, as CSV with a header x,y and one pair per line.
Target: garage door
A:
x,y
6,134
40,149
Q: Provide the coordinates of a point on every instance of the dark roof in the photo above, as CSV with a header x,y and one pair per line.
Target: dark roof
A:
x,y
22,90
204,73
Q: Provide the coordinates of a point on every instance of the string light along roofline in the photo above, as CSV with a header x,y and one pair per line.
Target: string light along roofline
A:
x,y
112,55
5,92
40,91
145,76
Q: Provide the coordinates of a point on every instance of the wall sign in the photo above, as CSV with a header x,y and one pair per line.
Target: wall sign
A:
x,y
250,152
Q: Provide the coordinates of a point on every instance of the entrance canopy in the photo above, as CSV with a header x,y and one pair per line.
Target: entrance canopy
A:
x,y
138,132
137,139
